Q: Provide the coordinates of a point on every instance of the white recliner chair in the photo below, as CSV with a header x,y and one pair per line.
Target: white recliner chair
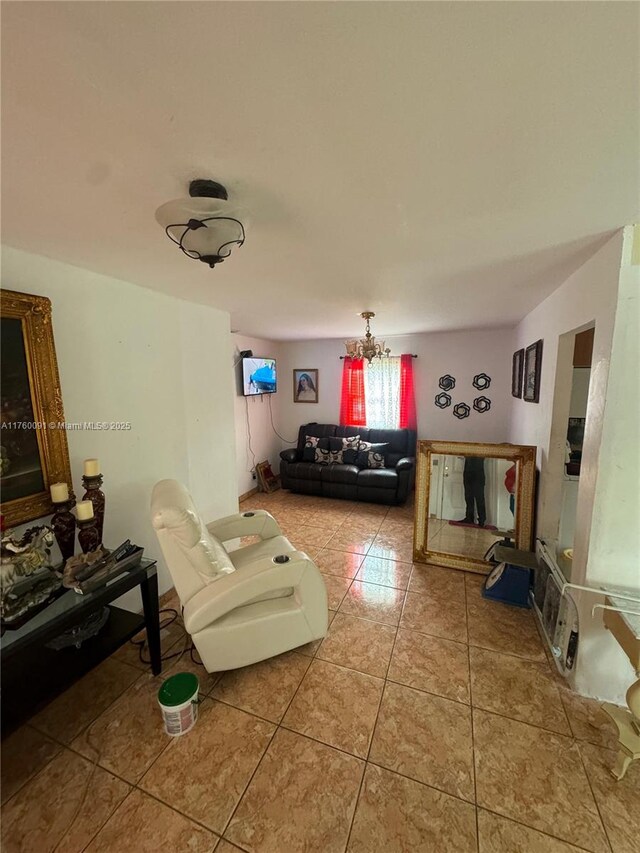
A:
x,y
239,606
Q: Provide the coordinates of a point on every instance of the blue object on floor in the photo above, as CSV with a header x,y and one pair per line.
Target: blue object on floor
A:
x,y
508,584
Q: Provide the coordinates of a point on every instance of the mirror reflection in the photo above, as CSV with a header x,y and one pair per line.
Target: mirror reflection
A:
x,y
472,504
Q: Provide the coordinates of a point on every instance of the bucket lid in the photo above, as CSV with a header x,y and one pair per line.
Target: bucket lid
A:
x,y
178,689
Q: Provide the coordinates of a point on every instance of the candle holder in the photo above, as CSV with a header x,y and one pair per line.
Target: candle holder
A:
x,y
88,536
94,494
63,522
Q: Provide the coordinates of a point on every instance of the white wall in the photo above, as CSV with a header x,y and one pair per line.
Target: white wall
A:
x,y
461,354
589,295
253,414
130,354
614,553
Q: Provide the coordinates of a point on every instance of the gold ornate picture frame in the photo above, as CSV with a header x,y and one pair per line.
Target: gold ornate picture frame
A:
x,y
35,453
525,458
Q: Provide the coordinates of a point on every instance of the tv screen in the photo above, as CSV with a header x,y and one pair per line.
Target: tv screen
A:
x,y
258,376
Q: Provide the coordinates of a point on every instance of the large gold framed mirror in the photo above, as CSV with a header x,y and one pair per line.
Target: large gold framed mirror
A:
x,y
470,496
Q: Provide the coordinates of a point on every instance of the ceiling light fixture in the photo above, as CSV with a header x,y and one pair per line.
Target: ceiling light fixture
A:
x,y
203,225
367,347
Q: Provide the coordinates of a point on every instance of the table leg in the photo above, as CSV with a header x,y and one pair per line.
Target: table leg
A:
x,y
150,605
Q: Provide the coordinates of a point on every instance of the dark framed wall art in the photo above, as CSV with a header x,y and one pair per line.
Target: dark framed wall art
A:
x,y
532,371
517,367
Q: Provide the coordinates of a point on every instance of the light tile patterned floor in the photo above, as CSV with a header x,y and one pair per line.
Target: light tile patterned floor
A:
x,y
427,721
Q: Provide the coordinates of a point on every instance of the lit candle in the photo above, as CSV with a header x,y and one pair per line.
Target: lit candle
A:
x,y
91,467
59,492
84,510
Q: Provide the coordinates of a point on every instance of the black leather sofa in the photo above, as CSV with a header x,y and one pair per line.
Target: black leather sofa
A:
x,y
389,485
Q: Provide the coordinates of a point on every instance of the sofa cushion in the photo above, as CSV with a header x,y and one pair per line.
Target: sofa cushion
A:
x,y
340,474
305,470
382,478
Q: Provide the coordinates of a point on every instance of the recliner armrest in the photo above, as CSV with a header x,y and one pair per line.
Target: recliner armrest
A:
x,y
260,523
242,586
406,463
289,455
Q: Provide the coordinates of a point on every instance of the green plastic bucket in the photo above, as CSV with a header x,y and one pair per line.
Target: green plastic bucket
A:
x,y
178,700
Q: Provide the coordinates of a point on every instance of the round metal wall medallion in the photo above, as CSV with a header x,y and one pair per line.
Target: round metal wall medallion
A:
x,y
482,404
481,381
443,401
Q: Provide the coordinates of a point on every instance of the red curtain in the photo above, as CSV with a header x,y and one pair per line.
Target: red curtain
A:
x,y
408,418
352,405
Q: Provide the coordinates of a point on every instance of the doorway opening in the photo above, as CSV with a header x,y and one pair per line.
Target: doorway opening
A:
x,y
569,424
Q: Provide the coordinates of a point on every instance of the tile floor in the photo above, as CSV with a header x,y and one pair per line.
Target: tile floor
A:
x,y
450,539
428,719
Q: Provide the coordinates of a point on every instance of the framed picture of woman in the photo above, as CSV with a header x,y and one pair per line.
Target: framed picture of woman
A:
x,y
305,385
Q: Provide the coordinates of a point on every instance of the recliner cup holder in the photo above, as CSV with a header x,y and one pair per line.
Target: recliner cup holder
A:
x,y
248,514
281,558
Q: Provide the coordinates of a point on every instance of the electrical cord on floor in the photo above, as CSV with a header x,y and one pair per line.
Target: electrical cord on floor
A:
x,y
143,643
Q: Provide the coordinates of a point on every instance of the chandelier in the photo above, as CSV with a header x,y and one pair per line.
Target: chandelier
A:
x,y
367,347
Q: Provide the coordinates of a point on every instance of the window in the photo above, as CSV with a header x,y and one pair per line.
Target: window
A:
x,y
382,393
379,395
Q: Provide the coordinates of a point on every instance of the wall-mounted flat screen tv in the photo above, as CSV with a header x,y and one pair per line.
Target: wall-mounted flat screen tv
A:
x,y
258,376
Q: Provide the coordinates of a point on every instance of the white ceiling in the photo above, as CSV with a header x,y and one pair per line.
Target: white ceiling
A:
x,y
446,165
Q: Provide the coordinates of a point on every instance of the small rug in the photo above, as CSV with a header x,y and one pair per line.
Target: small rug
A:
x,y
467,524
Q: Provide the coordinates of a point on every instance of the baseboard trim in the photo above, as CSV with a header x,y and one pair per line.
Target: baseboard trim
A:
x,y
247,495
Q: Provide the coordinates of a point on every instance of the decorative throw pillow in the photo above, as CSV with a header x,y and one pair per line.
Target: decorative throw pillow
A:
x,y
366,452
322,456
375,459
350,442
311,442
348,446
328,457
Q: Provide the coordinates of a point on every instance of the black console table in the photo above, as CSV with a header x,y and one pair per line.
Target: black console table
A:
x,y
32,673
